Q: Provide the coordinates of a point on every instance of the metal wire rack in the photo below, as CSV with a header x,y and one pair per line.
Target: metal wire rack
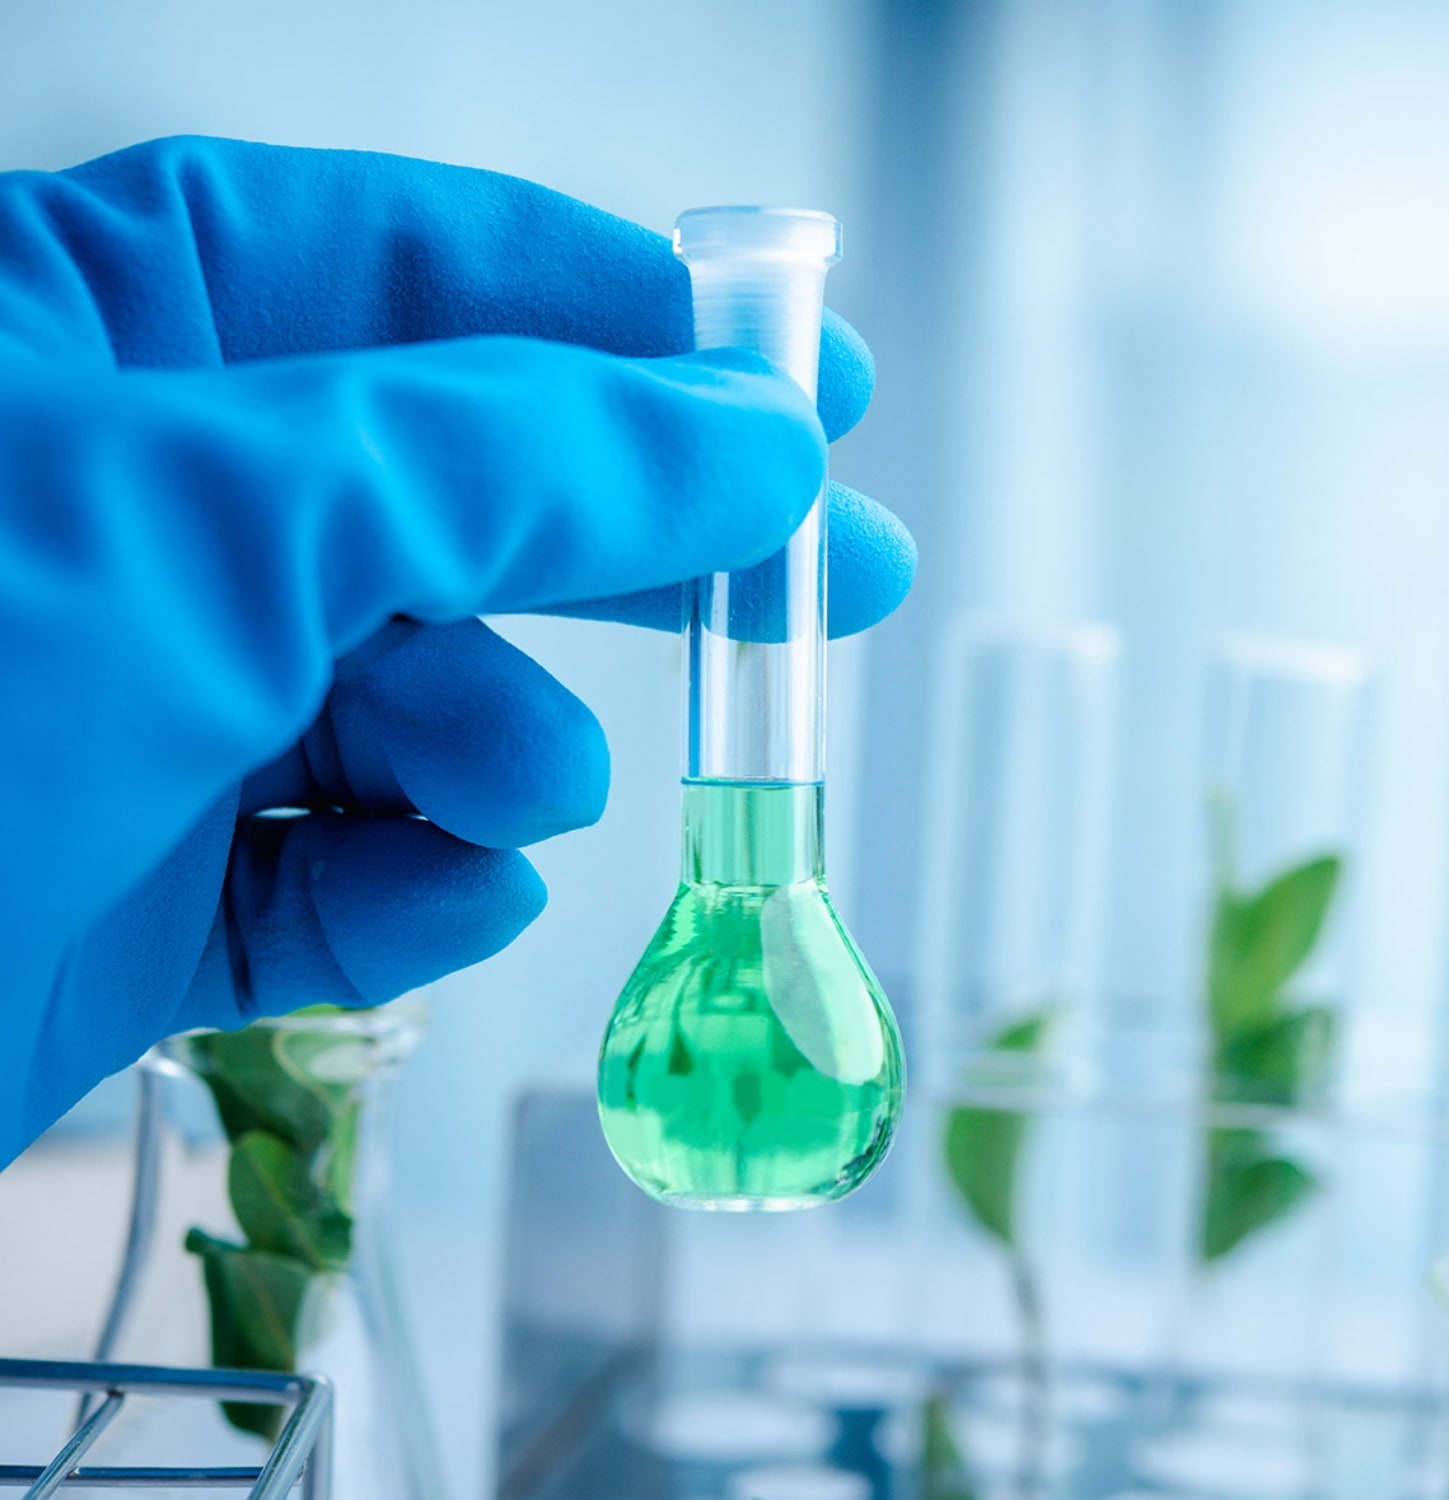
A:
x,y
303,1450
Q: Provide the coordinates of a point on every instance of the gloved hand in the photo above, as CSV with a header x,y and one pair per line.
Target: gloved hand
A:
x,y
274,425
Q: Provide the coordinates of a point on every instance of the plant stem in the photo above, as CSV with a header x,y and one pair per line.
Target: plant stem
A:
x,y
1035,1382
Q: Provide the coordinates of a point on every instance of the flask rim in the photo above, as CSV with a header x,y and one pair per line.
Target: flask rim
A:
x,y
755,232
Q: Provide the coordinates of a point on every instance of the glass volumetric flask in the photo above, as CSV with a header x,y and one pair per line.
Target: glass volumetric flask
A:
x,y
752,1061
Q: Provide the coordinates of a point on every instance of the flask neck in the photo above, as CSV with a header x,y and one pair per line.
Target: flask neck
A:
x,y
755,834
755,638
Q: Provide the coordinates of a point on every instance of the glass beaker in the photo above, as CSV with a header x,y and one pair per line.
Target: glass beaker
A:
x,y
259,1241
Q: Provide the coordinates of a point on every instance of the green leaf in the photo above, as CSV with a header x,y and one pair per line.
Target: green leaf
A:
x,y
1024,1035
256,1306
342,1154
1259,941
280,1208
982,1146
1247,1189
1282,1062
943,1469
290,1103
254,1092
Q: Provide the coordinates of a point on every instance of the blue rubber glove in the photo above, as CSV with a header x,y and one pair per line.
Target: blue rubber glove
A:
x,y
274,425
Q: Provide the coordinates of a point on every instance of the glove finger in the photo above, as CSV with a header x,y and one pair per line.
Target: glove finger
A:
x,y
872,565
237,251
193,553
333,909
453,722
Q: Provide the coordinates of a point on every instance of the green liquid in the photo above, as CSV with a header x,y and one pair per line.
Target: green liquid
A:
x,y
752,1061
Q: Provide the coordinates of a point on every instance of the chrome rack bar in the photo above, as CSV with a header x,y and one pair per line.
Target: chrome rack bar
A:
x,y
80,1441
303,1451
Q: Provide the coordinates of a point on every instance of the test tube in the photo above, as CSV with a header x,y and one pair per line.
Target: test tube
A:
x,y
1285,743
1016,852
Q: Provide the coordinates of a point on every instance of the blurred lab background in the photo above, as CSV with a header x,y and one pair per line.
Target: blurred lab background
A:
x,y
1159,294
